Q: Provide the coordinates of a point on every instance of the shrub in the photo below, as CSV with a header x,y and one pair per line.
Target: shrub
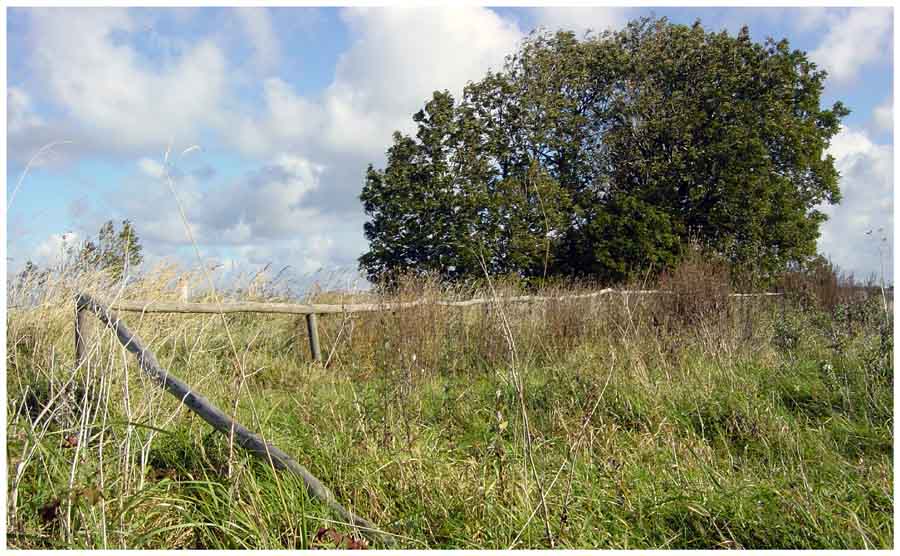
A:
x,y
699,286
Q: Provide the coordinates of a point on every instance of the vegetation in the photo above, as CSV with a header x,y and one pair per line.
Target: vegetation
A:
x,y
604,156
685,420
114,253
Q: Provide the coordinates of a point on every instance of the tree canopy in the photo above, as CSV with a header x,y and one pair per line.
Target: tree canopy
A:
x,y
609,154
114,251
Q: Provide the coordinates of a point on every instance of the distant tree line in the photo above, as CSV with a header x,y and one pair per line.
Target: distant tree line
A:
x,y
114,251
609,155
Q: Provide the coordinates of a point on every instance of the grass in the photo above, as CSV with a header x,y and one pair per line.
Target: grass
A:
x,y
638,422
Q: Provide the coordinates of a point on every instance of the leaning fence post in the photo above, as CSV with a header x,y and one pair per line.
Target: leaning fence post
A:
x,y
313,332
81,333
221,421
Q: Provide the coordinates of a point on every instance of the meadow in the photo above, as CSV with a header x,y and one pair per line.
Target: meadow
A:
x,y
686,420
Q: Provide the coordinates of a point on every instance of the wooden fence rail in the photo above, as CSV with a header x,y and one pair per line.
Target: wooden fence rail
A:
x,y
85,305
342,308
313,309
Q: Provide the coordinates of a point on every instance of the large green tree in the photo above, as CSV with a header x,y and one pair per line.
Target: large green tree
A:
x,y
607,155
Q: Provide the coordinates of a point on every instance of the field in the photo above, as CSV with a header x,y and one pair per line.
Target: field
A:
x,y
689,420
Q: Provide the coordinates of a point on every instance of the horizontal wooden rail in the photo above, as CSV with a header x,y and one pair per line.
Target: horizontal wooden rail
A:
x,y
221,421
253,307
313,309
325,309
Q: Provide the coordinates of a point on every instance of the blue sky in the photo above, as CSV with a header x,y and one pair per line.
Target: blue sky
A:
x,y
289,105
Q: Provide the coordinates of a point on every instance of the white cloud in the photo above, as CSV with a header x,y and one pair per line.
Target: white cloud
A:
x,y
148,202
239,233
857,37
53,249
288,119
867,179
125,101
29,137
264,217
20,114
260,35
581,19
400,56
808,18
308,255
105,85
884,115
268,204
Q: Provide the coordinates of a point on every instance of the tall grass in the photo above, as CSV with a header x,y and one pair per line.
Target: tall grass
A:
x,y
686,420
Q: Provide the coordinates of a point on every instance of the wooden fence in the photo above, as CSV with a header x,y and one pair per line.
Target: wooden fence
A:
x,y
313,309
86,306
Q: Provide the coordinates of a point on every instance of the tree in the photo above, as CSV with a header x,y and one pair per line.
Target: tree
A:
x,y
442,206
610,154
728,138
31,275
115,251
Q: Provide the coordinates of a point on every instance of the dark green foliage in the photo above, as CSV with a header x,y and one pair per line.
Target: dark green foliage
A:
x,y
630,235
115,251
606,155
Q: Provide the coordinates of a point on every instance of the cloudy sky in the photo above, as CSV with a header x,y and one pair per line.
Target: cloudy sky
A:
x,y
289,105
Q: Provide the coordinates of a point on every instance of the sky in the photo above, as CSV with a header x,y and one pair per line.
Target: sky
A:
x,y
266,119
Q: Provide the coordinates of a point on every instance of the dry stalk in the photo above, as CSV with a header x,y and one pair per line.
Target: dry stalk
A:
x,y
171,184
520,393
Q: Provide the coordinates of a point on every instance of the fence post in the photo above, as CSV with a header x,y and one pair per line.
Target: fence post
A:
x,y
81,334
313,332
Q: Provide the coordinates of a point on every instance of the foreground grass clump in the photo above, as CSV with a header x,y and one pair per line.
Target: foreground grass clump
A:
x,y
641,421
